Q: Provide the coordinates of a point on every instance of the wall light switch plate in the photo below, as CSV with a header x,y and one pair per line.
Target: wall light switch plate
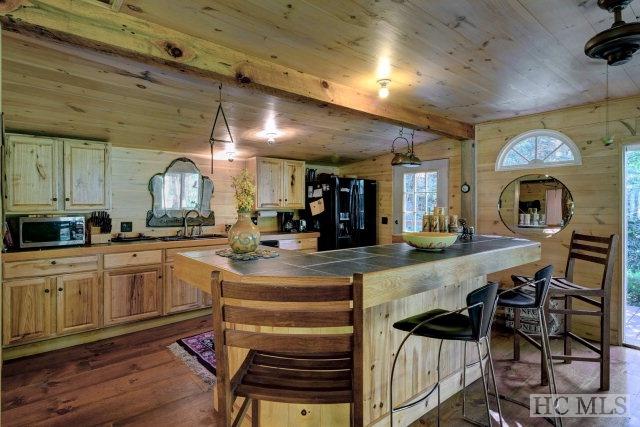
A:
x,y
126,226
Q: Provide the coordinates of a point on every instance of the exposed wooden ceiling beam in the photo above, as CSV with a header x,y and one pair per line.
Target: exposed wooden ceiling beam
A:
x,y
82,23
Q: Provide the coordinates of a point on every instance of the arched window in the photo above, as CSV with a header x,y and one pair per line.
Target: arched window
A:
x,y
536,149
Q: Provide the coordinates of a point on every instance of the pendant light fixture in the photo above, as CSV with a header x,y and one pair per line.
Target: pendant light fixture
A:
x,y
414,161
399,158
228,143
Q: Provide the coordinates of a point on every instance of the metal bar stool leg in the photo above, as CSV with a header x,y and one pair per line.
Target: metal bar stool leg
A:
x,y
546,350
493,377
484,384
464,380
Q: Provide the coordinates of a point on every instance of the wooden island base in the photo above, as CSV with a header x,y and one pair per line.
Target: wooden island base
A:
x,y
398,282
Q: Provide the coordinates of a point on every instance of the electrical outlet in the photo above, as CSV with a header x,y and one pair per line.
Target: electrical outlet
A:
x,y
384,220
126,226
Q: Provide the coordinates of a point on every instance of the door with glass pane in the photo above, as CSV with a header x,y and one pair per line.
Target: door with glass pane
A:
x,y
631,335
417,191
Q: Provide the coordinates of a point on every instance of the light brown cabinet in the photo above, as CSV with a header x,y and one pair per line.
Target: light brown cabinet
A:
x,y
78,302
279,183
132,294
26,310
32,168
52,175
87,175
179,295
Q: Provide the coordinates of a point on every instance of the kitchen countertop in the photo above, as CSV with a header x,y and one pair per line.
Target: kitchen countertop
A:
x,y
427,270
115,247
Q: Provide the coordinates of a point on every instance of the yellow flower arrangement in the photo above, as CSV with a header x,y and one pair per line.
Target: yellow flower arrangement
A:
x,y
245,191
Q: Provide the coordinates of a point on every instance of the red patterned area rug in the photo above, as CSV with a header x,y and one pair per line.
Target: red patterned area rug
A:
x,y
198,353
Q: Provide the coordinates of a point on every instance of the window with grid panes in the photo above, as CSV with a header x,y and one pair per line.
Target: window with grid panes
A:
x,y
420,196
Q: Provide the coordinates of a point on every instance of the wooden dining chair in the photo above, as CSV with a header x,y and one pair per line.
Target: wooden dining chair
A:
x,y
591,250
320,364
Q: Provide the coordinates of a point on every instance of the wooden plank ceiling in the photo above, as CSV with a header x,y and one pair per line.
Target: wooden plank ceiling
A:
x,y
68,91
472,60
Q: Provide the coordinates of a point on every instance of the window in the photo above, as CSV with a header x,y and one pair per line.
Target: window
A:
x,y
417,191
538,148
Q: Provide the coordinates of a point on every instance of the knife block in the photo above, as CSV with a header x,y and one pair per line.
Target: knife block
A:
x,y
98,238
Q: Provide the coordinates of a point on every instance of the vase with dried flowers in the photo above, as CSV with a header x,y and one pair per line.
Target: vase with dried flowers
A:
x,y
244,235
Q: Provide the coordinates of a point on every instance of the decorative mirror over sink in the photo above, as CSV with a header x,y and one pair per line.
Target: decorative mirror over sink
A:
x,y
536,205
180,189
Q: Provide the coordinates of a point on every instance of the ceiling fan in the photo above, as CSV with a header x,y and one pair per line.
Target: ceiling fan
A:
x,y
617,44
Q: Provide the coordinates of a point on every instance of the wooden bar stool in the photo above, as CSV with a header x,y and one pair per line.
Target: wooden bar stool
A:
x,y
590,250
454,326
319,368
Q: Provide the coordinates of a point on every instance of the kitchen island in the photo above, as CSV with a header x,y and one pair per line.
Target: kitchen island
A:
x,y
398,281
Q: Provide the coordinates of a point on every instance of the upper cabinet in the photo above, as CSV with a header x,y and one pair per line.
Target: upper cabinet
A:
x,y
32,166
49,175
87,177
279,183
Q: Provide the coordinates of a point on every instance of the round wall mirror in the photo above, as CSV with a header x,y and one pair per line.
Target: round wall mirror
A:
x,y
535,205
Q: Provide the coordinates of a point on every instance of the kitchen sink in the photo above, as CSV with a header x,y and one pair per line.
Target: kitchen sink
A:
x,y
204,236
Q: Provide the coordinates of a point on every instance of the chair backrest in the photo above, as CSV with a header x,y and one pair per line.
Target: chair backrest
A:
x,y
482,315
542,280
593,249
324,315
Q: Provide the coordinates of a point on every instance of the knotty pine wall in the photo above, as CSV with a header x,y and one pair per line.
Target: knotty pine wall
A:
x,y
595,186
131,170
379,168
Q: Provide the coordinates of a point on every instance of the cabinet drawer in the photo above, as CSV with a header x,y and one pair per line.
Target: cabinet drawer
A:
x,y
128,259
49,267
171,253
297,244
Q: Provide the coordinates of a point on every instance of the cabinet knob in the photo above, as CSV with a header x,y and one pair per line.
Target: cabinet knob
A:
x,y
285,200
159,277
67,199
55,199
46,291
60,289
54,262
134,255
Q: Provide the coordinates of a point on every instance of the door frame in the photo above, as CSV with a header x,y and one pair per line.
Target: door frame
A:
x,y
623,268
439,165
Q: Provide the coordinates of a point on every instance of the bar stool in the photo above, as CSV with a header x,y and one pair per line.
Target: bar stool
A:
x,y
454,326
517,299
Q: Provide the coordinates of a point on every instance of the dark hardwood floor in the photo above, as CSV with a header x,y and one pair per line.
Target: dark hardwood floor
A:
x,y
136,380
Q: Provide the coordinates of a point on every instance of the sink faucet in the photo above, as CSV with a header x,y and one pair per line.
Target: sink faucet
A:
x,y
184,223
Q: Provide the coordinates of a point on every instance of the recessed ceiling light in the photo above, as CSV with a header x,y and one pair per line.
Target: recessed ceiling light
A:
x,y
271,137
383,92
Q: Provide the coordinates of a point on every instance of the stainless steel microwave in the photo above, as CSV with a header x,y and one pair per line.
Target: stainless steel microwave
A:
x,y
51,231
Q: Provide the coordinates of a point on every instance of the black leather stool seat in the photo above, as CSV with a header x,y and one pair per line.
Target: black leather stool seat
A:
x,y
516,299
451,326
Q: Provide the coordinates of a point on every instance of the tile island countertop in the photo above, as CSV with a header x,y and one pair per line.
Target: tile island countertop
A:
x,y
398,281
463,260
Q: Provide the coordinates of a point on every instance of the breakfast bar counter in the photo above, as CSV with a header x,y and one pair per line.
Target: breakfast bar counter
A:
x,y
398,281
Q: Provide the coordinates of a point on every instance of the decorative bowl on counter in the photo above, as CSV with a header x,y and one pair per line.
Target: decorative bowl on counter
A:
x,y
429,240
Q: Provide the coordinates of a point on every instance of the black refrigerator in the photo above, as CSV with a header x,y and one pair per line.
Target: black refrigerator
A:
x,y
350,209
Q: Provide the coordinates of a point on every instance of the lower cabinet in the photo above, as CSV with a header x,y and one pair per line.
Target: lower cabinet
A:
x,y
132,294
26,310
179,295
78,302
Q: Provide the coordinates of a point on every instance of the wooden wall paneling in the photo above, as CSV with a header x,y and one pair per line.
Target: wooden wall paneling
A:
x,y
595,186
380,169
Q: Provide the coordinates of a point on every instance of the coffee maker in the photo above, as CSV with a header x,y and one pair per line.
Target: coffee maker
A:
x,y
285,221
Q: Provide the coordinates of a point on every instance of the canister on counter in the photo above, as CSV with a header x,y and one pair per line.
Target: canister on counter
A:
x,y
426,222
434,224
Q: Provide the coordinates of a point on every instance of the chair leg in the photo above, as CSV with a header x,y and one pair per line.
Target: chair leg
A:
x,y
464,379
493,378
544,368
516,336
484,384
439,352
255,413
568,305
605,344
546,351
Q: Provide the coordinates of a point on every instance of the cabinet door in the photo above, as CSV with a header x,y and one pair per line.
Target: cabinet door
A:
x,y
131,295
26,310
269,183
178,295
32,174
87,177
77,302
293,184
